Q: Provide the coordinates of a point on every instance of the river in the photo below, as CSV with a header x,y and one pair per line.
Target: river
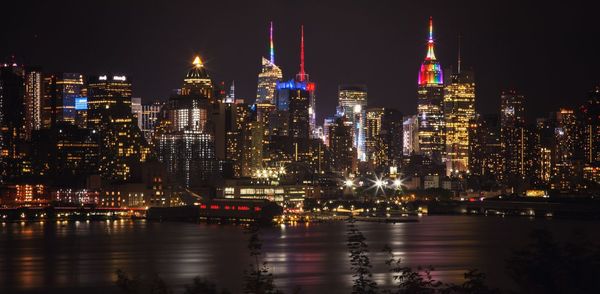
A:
x,y
82,257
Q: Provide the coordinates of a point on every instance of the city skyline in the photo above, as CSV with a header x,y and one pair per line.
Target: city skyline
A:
x,y
391,52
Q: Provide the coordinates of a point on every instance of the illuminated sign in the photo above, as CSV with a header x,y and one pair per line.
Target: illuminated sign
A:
x,y
81,103
102,78
119,78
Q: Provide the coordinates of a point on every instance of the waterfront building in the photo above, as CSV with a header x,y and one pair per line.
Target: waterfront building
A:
x,y
430,109
352,101
12,112
459,111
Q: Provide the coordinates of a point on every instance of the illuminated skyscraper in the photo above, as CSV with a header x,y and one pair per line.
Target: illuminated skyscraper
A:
x,y
294,100
352,100
185,138
197,81
374,145
410,137
459,111
513,135
340,144
590,121
109,112
61,90
12,113
485,147
269,76
430,104
566,136
33,100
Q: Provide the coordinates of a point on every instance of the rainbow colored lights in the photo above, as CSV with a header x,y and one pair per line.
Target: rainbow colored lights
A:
x,y
431,70
430,43
431,73
272,47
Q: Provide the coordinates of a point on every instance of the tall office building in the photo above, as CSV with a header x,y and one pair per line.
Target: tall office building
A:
x,y
341,146
33,100
513,134
374,144
269,76
294,100
185,138
430,110
61,90
485,147
410,135
459,111
352,101
12,113
109,112
567,136
392,137
590,121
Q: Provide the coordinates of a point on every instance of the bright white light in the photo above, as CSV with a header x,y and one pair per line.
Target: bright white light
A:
x,y
357,108
379,183
397,183
349,183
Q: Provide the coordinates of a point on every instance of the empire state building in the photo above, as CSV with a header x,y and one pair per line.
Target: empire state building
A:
x,y
430,104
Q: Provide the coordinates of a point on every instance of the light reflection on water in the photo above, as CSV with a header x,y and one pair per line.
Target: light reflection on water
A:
x,y
74,257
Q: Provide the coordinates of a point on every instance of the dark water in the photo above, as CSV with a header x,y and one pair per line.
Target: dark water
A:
x,y
81,257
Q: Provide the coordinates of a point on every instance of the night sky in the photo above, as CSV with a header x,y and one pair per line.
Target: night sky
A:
x,y
548,51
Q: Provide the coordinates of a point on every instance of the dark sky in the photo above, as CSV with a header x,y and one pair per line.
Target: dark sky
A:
x,y
550,52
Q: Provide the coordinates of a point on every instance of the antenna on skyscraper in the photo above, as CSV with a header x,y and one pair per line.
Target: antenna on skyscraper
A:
x,y
272,49
459,60
302,73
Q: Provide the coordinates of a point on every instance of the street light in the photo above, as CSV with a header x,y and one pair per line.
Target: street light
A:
x,y
397,183
379,183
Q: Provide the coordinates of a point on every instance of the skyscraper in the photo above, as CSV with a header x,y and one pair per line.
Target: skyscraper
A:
x,y
459,111
410,138
430,110
33,100
340,144
352,101
60,93
294,100
374,147
109,112
513,134
185,139
269,76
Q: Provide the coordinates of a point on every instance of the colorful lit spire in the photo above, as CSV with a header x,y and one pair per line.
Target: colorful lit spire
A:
x,y
272,47
430,43
197,62
431,70
302,73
